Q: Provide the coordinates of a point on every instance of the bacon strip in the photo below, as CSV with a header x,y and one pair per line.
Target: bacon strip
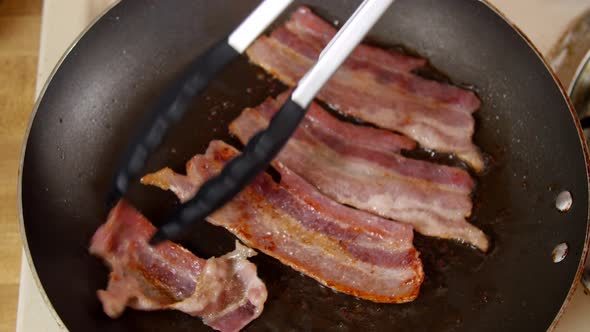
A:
x,y
348,250
433,198
318,33
314,34
375,86
225,291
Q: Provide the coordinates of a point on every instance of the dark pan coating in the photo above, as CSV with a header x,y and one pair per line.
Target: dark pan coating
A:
x,y
114,73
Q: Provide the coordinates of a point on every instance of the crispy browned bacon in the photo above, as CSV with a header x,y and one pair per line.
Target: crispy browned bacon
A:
x,y
376,86
347,163
224,291
348,250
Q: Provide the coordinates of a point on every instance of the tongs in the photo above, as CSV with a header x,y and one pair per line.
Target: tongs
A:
x,y
263,146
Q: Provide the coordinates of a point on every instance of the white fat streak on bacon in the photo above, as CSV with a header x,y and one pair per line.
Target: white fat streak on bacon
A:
x,y
313,34
318,33
363,136
224,291
380,147
433,198
395,99
348,250
217,279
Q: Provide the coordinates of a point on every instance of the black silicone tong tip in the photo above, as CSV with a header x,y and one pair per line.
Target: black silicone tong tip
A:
x,y
163,234
236,174
170,108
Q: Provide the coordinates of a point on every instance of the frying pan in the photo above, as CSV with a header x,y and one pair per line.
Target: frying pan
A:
x,y
114,73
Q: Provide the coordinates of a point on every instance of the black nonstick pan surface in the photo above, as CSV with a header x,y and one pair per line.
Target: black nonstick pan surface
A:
x,y
107,82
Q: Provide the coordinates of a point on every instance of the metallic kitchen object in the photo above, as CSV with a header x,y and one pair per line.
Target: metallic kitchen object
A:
x,y
579,92
567,54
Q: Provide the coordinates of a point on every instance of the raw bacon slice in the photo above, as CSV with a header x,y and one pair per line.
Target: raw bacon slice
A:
x,y
224,291
318,33
314,34
433,198
348,250
375,86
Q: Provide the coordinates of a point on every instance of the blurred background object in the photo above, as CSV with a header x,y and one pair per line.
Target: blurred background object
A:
x,y
569,51
543,21
570,58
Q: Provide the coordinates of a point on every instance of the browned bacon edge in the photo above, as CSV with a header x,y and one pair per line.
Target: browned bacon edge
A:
x,y
348,250
434,199
224,291
375,86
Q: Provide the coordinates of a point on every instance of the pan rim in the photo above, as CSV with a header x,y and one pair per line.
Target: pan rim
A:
x,y
21,219
499,13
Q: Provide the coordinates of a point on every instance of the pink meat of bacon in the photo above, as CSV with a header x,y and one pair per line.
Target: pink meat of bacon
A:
x,y
351,251
224,291
360,166
376,86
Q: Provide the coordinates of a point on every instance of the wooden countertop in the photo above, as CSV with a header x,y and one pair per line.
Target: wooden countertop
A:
x,y
20,23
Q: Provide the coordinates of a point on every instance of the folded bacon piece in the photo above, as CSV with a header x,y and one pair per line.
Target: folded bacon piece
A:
x,y
433,198
224,291
376,86
348,250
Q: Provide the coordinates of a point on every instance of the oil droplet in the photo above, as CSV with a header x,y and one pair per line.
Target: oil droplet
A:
x,y
559,253
564,201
